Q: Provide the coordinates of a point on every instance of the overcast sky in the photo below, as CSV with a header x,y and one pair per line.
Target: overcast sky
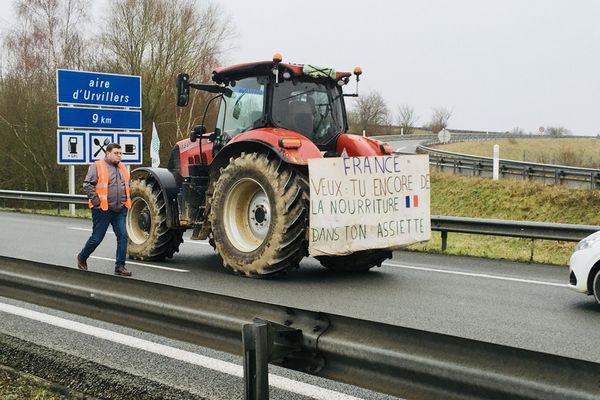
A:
x,y
496,64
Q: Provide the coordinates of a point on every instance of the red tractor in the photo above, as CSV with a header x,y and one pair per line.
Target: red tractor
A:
x,y
244,186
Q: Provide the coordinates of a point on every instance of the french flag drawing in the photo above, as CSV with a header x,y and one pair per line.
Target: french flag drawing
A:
x,y
415,201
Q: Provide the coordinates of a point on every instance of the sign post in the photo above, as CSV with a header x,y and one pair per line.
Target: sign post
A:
x,y
85,124
444,136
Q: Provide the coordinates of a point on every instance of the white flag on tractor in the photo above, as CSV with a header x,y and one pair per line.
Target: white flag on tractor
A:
x,y
155,147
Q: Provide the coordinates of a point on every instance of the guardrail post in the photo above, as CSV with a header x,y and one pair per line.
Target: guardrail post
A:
x,y
256,362
593,181
266,341
444,240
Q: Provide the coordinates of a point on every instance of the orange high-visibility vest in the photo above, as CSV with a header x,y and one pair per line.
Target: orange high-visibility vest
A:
x,y
102,185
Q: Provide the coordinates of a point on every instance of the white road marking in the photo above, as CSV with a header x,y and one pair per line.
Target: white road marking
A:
x,y
80,229
502,278
174,353
143,265
202,242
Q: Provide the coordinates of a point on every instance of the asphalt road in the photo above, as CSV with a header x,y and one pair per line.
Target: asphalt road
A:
x,y
514,304
111,361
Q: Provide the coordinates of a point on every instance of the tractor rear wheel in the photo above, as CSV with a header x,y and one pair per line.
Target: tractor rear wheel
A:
x,y
258,216
149,236
355,262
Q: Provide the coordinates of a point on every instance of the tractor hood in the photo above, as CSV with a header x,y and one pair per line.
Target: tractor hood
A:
x,y
292,146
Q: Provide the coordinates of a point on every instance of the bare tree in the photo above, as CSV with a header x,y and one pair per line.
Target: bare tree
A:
x,y
152,38
46,37
557,131
439,119
407,118
158,39
370,111
517,131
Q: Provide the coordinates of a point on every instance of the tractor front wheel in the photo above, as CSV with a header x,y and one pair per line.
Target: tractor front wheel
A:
x,y
258,216
149,236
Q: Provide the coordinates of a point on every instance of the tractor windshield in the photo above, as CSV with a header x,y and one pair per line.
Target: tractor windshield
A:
x,y
244,109
311,108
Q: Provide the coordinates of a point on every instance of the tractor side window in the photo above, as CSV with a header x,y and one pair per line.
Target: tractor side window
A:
x,y
243,110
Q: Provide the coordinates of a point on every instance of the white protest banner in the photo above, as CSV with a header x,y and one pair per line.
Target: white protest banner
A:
x,y
363,203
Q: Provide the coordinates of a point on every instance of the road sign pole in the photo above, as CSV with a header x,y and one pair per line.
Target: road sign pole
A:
x,y
72,187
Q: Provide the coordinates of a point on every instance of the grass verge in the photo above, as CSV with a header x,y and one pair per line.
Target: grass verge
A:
x,y
456,195
19,386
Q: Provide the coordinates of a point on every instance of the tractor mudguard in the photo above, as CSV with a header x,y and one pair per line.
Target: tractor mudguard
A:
x,y
169,189
271,140
359,146
280,140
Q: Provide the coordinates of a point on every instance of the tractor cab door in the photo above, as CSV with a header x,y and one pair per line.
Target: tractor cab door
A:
x,y
242,111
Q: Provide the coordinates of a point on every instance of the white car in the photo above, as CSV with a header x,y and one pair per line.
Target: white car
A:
x,y
584,266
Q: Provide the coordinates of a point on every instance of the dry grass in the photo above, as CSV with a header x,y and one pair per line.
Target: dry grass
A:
x,y
564,151
462,196
15,386
517,200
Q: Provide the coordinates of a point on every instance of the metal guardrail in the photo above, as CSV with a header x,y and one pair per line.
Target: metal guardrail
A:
x,y
520,229
467,136
483,166
44,196
389,359
456,136
443,224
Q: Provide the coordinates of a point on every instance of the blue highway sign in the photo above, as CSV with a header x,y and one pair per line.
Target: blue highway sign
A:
x,y
99,118
97,144
131,144
71,147
94,88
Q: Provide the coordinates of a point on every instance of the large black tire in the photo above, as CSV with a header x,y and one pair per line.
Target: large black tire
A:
x,y
258,217
147,231
596,287
356,262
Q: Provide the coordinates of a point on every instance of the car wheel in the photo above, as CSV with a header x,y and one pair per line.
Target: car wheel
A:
x,y
596,287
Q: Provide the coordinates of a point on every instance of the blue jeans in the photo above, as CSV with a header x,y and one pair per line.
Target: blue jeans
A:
x,y
100,221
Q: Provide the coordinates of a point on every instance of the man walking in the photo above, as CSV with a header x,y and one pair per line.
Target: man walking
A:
x,y
107,188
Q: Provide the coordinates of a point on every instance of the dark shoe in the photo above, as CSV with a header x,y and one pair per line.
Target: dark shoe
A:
x,y
81,263
122,271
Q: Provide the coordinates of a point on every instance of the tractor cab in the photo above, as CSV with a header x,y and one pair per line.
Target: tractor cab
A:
x,y
304,99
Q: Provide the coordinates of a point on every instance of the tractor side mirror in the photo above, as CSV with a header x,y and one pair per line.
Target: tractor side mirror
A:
x,y
183,89
197,132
